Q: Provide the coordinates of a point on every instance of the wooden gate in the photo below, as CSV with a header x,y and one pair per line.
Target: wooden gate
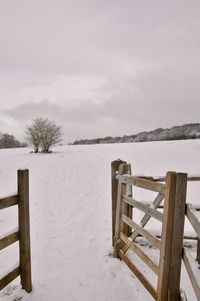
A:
x,y
125,229
21,199
190,261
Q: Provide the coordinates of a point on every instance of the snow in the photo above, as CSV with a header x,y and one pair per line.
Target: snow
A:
x,y
70,210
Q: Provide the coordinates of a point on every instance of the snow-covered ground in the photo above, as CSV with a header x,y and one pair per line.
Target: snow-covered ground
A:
x,y
70,207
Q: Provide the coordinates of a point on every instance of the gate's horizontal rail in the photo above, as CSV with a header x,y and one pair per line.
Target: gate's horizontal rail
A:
x,y
190,178
146,217
139,253
192,216
171,188
145,208
193,271
142,183
138,274
196,207
8,201
150,237
9,240
9,277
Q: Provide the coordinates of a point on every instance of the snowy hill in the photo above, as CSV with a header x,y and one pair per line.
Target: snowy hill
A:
x,y
186,131
70,206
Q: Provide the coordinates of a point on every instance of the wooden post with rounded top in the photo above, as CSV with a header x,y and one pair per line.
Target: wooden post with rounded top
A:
x,y
24,230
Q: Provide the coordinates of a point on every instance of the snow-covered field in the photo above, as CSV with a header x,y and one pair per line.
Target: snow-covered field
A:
x,y
70,207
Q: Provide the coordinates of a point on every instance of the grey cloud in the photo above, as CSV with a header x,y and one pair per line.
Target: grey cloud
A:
x,y
148,51
157,98
30,110
35,83
98,36
2,125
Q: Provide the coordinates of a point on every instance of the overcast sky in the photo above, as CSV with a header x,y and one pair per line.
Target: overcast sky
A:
x,y
99,67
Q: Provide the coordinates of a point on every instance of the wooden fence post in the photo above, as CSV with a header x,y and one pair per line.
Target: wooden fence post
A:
x,y
24,230
198,250
177,240
126,208
120,190
167,236
114,184
172,237
129,208
121,208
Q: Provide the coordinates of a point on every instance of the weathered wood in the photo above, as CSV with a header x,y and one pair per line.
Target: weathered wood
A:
x,y
8,201
139,253
24,230
125,208
8,240
156,179
163,178
122,208
150,237
193,178
167,235
114,183
192,216
117,222
162,206
129,192
129,208
119,208
186,237
142,183
146,217
198,250
193,271
9,277
150,204
147,209
138,274
177,239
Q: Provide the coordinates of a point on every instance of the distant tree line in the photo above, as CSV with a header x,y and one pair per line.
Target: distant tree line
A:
x,y
186,131
9,141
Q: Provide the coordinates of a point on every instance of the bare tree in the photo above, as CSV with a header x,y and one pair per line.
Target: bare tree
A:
x,y
43,134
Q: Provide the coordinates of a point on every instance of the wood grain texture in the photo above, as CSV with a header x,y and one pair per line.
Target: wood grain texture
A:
x,y
114,183
193,272
8,240
24,230
119,208
133,246
9,278
166,241
150,237
8,201
138,274
142,183
177,239
146,217
146,209
198,250
193,218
